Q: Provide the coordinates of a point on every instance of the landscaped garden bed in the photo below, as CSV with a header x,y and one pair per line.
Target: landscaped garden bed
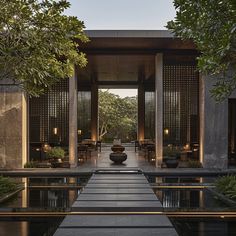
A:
x,y
8,188
225,189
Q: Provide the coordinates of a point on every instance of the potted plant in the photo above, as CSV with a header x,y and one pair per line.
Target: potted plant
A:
x,y
194,164
56,155
171,155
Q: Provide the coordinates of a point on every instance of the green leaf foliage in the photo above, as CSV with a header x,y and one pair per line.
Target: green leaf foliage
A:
x,y
117,117
56,152
171,151
194,164
38,43
211,24
227,186
6,186
30,164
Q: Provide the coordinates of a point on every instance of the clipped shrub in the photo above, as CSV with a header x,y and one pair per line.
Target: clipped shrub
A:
x,y
30,164
7,185
227,186
194,164
171,151
56,153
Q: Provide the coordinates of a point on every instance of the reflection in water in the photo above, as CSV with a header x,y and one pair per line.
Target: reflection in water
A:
x,y
49,193
30,227
60,193
51,198
188,198
204,227
179,180
172,198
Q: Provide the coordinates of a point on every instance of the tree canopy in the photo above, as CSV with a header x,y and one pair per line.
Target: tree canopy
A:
x,y
211,24
117,117
38,43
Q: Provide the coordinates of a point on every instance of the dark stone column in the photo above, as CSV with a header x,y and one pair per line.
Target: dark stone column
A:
x,y
213,127
94,112
159,108
141,111
11,126
73,132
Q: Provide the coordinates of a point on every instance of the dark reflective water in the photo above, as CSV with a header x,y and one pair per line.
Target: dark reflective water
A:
x,y
204,227
58,194
201,199
46,193
180,180
30,226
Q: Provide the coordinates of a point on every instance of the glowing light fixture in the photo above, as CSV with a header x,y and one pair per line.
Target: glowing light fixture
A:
x,y
166,131
55,131
79,131
187,146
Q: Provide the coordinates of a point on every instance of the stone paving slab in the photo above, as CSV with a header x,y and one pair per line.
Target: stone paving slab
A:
x,y
116,232
120,176
102,194
118,190
117,185
117,204
116,197
118,181
116,221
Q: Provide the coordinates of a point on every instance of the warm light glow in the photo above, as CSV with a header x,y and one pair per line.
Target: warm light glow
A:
x,y
79,131
94,137
55,131
24,130
187,146
46,147
166,131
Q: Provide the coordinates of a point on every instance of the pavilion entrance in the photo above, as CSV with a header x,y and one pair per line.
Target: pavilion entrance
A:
x,y
117,115
167,103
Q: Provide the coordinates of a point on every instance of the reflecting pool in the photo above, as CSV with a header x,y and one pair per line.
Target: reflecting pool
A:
x,y
58,194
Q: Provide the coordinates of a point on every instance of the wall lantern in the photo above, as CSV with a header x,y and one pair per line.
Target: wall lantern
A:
x,y
55,131
166,131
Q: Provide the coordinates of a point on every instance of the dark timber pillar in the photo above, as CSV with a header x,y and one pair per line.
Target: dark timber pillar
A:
x,y
141,111
94,112
73,133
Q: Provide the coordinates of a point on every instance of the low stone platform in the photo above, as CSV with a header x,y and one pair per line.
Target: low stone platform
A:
x,y
117,204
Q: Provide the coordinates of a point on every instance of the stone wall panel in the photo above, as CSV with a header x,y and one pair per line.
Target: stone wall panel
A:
x,y
10,127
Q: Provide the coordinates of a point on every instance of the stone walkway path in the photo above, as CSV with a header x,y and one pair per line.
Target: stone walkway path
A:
x,y
121,203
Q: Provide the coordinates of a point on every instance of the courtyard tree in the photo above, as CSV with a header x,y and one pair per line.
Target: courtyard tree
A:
x,y
117,116
212,27
38,43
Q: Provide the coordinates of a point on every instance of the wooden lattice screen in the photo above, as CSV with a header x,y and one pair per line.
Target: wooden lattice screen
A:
x,y
181,102
49,116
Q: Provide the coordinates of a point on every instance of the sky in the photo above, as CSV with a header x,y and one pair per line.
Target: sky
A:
x,y
123,92
123,15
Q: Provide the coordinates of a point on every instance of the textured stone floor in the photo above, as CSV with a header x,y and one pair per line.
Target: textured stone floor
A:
x,y
111,193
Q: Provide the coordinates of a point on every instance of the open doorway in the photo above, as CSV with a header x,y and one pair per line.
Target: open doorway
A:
x,y
117,115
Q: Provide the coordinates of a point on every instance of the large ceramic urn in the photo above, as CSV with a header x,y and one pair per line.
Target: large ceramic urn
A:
x,y
118,156
117,148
